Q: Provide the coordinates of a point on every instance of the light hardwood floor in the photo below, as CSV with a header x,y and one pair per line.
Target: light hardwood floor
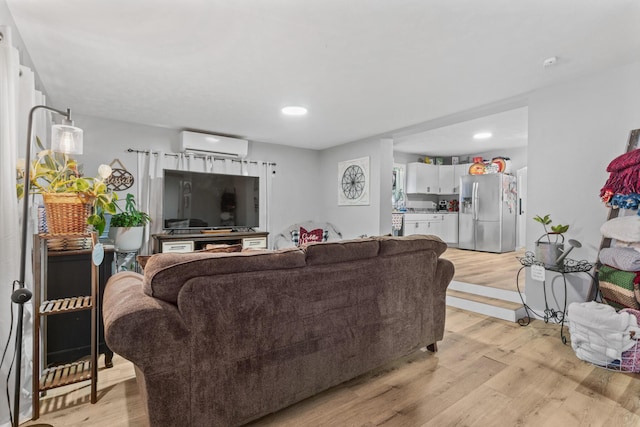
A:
x,y
488,269
487,372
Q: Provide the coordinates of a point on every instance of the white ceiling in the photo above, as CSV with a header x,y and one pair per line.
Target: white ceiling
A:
x,y
361,67
508,129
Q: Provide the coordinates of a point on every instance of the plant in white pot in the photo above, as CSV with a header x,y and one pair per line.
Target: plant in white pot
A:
x,y
127,227
550,252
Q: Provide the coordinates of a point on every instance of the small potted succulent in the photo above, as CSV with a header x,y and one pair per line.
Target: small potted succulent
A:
x,y
550,252
56,177
127,227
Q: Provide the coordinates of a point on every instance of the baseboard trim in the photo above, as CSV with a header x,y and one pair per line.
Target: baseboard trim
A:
x,y
486,309
487,291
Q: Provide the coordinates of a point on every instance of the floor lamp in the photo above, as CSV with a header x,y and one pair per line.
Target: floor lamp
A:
x,y
65,138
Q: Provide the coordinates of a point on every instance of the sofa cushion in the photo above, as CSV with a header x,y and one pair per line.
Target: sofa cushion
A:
x,y
165,273
392,245
320,253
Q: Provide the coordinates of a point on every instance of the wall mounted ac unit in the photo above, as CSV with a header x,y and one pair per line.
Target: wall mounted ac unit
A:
x,y
214,144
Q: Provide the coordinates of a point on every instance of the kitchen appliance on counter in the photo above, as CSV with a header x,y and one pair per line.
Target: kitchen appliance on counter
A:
x,y
487,213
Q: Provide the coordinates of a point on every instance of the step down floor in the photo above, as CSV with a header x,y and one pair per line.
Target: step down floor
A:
x,y
494,302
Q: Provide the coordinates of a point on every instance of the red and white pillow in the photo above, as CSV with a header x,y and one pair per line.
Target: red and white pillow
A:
x,y
302,236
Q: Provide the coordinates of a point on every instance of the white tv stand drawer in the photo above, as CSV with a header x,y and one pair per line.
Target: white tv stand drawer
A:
x,y
178,247
254,243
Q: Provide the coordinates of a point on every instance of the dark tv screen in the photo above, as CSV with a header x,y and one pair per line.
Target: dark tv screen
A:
x,y
201,200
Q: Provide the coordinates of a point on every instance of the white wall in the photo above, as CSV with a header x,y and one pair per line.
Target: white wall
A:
x,y
25,59
354,221
296,184
575,130
304,186
295,192
106,140
404,158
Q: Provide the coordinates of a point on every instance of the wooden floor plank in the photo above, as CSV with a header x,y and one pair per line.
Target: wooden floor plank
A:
x,y
487,372
486,268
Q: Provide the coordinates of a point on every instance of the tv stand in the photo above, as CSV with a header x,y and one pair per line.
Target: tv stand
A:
x,y
168,242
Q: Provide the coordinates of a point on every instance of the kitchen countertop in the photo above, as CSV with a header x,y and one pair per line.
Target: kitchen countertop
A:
x,y
426,211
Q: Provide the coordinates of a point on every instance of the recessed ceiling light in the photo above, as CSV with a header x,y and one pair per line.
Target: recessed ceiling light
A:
x,y
549,61
482,135
294,110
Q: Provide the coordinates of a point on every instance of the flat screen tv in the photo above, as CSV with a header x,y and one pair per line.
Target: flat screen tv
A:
x,y
200,200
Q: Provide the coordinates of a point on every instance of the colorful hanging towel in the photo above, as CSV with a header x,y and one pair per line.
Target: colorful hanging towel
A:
x,y
619,288
625,201
396,221
624,176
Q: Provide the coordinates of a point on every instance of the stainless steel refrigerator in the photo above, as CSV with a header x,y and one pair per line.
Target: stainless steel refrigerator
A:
x,y
487,217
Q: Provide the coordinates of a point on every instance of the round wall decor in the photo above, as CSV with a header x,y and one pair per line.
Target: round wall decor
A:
x,y
353,182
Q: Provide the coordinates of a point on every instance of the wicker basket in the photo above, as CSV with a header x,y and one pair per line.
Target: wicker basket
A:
x,y
67,213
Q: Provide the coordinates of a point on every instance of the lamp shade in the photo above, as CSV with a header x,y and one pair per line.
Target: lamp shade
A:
x,y
66,139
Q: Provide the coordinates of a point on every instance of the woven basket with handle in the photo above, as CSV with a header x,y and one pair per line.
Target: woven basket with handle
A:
x,y
67,213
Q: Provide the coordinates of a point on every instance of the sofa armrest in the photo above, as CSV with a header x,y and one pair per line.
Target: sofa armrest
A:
x,y
145,330
444,272
443,276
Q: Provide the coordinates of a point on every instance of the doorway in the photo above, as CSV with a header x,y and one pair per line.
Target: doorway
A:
x,y
521,219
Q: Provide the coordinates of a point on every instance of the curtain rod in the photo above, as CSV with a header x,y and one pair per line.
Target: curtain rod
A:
x,y
198,156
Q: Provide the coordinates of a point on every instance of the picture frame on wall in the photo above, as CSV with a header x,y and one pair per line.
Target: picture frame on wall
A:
x,y
353,182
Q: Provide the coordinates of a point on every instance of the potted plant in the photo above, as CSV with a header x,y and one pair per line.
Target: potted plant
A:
x,y
71,200
127,227
549,252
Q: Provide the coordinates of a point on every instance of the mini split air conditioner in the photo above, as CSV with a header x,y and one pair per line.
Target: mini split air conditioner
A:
x,y
214,144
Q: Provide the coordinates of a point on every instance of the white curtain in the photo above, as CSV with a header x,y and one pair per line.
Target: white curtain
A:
x,y
17,97
151,165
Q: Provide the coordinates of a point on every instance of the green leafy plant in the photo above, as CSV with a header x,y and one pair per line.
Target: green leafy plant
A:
x,y
557,230
130,216
58,173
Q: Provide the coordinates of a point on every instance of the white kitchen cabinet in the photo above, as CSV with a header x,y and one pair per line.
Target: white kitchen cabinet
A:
x,y
450,228
423,224
458,171
422,178
446,181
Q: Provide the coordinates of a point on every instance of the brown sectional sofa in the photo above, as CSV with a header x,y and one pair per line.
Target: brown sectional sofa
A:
x,y
223,339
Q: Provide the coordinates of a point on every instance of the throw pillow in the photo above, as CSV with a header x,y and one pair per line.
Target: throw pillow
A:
x,y
626,228
209,248
302,236
310,236
142,260
212,248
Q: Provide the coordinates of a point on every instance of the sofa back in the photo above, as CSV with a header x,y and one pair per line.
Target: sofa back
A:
x,y
166,273
240,335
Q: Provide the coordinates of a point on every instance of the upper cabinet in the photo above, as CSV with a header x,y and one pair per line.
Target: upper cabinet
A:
x,y
423,178
446,182
458,171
